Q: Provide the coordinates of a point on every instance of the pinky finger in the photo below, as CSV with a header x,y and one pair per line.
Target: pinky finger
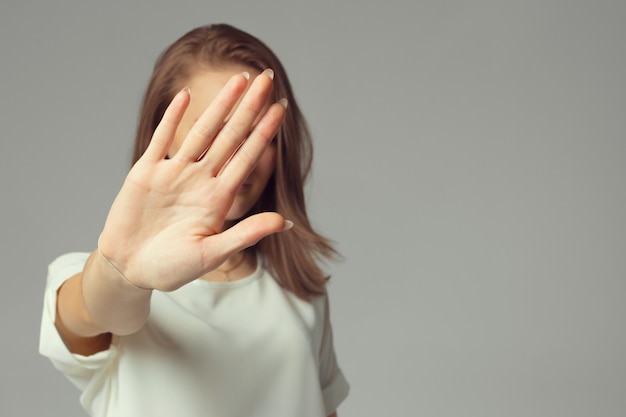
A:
x,y
164,133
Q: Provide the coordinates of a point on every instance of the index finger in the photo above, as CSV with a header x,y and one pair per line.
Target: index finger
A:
x,y
248,154
238,126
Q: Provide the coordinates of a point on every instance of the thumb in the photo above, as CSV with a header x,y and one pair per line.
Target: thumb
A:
x,y
251,230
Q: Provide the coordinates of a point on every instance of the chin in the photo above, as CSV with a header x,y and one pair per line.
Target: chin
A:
x,y
237,213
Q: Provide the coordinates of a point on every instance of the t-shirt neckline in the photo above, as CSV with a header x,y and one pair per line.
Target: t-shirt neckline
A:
x,y
258,272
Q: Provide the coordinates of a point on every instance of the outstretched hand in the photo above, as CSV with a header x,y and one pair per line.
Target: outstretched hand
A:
x,y
165,228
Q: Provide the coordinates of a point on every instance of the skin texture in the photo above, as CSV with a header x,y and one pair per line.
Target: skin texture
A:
x,y
205,84
174,219
166,226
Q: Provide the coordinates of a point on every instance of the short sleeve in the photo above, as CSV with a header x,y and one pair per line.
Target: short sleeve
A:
x,y
334,385
79,369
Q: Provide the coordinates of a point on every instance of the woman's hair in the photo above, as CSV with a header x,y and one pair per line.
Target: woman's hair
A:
x,y
293,257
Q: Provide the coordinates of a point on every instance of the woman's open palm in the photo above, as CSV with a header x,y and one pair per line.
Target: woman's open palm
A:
x,y
164,228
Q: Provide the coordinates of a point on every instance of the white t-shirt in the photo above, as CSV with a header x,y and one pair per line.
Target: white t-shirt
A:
x,y
246,348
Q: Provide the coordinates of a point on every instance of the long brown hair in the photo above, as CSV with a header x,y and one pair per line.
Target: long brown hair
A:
x,y
293,257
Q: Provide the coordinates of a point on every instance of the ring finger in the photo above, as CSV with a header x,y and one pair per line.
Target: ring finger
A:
x,y
238,127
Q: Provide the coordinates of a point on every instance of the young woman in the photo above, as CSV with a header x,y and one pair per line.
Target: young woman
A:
x,y
204,296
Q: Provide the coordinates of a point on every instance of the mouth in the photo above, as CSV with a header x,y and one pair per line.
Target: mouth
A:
x,y
244,187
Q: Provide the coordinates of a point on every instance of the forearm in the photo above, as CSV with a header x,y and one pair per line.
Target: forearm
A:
x,y
99,300
74,324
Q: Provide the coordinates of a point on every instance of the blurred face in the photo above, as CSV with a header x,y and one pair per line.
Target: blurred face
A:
x,y
205,84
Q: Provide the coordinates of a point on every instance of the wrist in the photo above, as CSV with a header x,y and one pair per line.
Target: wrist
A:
x,y
117,270
113,302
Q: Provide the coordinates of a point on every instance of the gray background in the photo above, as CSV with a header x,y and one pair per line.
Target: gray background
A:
x,y
471,158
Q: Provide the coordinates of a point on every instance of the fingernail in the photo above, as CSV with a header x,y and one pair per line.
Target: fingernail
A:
x,y
288,225
284,102
188,90
246,75
269,72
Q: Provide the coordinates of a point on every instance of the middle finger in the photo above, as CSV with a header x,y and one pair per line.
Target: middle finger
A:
x,y
237,128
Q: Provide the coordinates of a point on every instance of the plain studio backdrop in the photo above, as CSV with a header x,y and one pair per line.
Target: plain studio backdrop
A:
x,y
470,164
